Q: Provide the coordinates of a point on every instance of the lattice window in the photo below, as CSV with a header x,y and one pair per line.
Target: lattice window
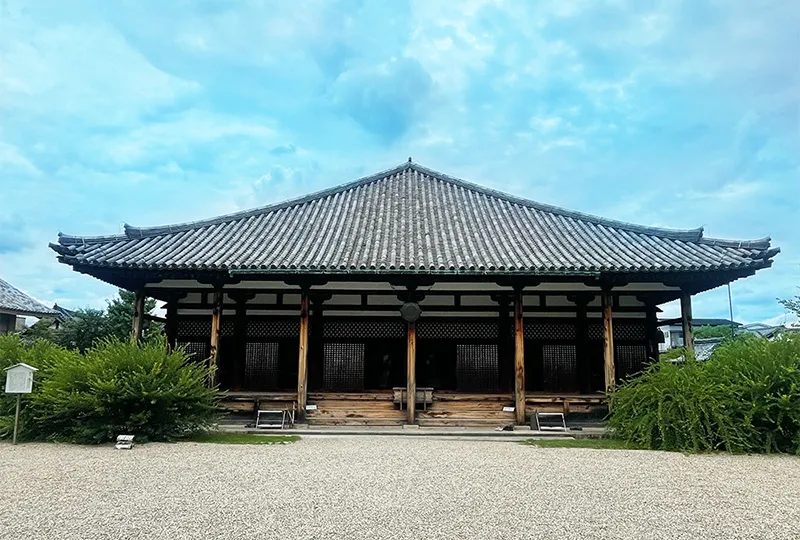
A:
x,y
595,331
194,327
268,328
478,330
361,329
261,366
549,331
476,368
559,368
227,327
629,360
343,367
197,351
629,331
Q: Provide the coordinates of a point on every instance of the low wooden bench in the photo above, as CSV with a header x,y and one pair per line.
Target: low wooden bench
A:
x,y
423,396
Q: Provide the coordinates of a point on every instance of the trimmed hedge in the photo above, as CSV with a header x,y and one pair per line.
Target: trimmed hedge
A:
x,y
745,398
116,387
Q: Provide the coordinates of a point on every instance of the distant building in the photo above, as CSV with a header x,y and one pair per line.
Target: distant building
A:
x,y
15,305
673,333
63,315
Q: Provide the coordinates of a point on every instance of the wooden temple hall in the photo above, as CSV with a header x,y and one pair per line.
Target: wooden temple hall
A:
x,y
481,306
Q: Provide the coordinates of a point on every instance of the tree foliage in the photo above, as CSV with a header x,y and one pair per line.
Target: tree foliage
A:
x,y
117,387
744,398
89,326
792,304
720,331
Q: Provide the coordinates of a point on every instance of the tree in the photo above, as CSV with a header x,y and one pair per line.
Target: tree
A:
x,y
86,327
792,304
41,329
120,313
720,331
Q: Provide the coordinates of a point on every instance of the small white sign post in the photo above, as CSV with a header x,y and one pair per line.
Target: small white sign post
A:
x,y
19,380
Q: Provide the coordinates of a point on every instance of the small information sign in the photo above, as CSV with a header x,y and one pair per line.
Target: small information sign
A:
x,y
19,379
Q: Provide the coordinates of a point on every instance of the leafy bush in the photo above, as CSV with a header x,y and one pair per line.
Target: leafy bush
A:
x,y
116,387
745,398
41,354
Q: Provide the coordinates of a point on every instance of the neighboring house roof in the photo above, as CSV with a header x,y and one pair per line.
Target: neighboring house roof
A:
x,y
704,347
16,302
63,313
411,219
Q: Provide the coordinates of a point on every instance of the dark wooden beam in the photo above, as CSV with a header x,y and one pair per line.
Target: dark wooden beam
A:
x,y
583,362
171,326
686,322
240,340
443,307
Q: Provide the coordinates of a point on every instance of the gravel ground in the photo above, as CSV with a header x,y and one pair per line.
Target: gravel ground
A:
x,y
391,487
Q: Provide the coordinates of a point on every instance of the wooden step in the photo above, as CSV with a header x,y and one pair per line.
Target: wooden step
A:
x,y
443,396
351,396
463,422
469,406
488,415
314,421
327,406
355,413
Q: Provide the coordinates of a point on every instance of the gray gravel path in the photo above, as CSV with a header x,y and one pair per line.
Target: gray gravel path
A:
x,y
391,487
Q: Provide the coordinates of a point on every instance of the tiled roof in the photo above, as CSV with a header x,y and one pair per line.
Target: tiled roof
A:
x,y
63,313
414,220
12,300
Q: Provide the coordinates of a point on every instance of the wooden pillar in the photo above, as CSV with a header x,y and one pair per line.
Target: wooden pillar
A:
x,y
608,342
583,362
316,342
171,326
504,372
240,342
216,324
651,323
138,317
411,372
302,362
519,360
686,321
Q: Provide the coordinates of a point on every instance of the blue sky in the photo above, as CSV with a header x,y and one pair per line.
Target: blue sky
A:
x,y
674,114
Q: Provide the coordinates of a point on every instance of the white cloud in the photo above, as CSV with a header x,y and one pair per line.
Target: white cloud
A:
x,y
86,72
12,161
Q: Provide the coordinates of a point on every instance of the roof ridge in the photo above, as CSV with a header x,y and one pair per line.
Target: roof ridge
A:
x,y
678,234
691,235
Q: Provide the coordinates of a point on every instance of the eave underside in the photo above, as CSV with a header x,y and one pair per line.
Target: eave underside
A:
x,y
653,288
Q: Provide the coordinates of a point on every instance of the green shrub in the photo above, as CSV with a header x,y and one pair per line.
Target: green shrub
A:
x,y
116,387
41,354
745,398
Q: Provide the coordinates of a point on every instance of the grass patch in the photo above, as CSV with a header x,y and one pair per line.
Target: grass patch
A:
x,y
602,444
223,437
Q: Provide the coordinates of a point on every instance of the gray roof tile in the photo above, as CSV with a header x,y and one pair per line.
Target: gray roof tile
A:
x,y
12,300
414,219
